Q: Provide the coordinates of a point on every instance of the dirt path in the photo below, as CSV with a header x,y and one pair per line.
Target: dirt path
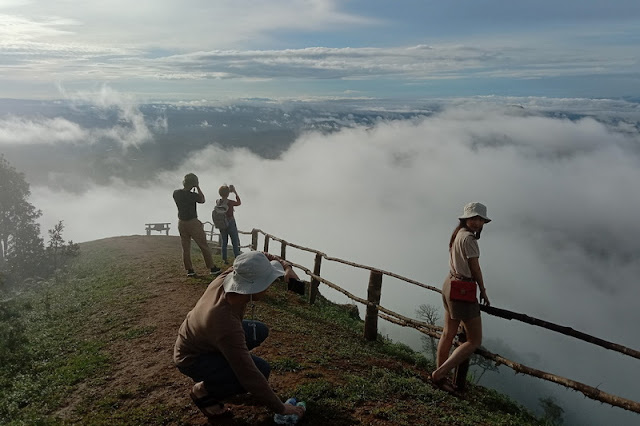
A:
x,y
153,302
143,370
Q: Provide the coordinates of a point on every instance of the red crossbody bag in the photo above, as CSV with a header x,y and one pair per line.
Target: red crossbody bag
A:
x,y
463,291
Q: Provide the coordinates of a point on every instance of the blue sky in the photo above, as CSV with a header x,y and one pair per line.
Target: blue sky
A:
x,y
226,49
545,56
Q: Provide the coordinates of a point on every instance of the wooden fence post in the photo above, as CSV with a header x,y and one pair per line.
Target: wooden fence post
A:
x,y
313,286
254,239
266,244
460,375
373,296
283,250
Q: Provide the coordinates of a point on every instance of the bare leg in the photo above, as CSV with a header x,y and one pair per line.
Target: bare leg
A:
x,y
446,340
462,352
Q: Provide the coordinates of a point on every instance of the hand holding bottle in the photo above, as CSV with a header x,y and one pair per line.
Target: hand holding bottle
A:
x,y
293,411
297,410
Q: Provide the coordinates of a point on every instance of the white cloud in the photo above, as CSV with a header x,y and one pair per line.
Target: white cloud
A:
x,y
439,62
16,29
75,61
130,128
174,24
561,245
152,44
17,131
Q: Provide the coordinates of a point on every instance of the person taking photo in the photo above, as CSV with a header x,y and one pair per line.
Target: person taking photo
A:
x,y
189,226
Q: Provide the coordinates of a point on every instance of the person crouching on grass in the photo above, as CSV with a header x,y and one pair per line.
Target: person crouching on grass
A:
x,y
214,341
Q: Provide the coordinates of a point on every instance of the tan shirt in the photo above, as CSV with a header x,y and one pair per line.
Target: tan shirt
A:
x,y
214,325
465,246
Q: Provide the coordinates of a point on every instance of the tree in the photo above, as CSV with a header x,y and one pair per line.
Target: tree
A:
x,y
552,411
429,314
21,247
57,249
483,364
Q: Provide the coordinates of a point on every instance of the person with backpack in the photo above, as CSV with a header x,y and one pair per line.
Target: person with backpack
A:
x,y
188,224
459,294
224,220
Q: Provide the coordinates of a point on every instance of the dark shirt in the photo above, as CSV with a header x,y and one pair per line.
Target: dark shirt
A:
x,y
186,203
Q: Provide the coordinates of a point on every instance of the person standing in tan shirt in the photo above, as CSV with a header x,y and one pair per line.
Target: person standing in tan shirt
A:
x,y
464,266
214,341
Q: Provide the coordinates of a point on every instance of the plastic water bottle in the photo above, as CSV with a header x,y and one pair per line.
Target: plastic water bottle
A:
x,y
289,419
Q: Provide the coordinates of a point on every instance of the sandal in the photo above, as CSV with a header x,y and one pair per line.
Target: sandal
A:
x,y
209,401
444,385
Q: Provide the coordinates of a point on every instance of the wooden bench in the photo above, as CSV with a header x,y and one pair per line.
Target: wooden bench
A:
x,y
157,227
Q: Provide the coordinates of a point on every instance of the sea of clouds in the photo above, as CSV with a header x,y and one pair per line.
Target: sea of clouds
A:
x,y
562,245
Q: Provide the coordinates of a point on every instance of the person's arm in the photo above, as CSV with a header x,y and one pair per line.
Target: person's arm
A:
x,y
200,198
288,268
234,348
476,273
238,201
293,409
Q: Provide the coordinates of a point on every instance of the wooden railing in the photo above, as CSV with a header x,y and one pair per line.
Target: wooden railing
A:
x,y
375,310
212,232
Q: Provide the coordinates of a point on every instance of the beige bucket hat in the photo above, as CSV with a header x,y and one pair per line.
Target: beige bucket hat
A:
x,y
252,273
475,209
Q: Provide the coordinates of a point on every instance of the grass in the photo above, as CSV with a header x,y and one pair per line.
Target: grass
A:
x,y
56,339
388,379
66,324
285,364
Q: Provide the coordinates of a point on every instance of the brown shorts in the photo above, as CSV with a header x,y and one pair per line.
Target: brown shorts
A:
x,y
458,310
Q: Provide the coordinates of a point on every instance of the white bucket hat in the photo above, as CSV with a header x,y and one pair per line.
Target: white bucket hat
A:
x,y
475,209
252,273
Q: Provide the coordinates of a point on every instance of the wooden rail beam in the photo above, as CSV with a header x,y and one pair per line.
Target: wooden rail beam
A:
x,y
587,390
502,313
436,332
568,331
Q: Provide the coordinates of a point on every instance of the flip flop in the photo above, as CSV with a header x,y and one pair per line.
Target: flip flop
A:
x,y
208,401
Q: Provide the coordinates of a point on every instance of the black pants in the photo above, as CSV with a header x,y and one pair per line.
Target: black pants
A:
x,y
214,370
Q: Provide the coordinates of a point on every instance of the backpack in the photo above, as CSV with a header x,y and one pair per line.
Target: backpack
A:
x,y
219,215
